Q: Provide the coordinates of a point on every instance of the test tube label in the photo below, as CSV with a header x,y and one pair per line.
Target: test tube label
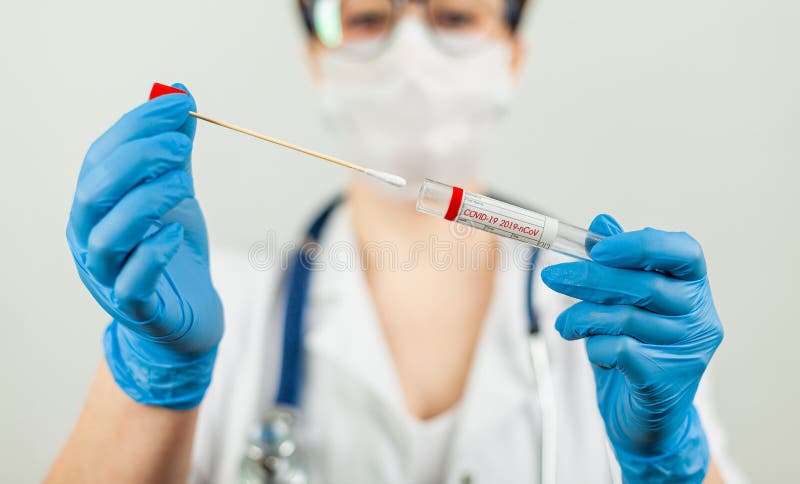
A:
x,y
507,220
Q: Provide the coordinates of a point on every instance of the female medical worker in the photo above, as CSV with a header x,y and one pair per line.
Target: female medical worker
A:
x,y
411,371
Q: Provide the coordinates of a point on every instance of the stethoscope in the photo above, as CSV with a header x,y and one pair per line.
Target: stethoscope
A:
x,y
273,455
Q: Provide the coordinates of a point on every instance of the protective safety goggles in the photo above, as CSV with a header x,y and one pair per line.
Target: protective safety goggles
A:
x,y
364,28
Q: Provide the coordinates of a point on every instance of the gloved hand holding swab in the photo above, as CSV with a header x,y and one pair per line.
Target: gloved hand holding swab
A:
x,y
391,179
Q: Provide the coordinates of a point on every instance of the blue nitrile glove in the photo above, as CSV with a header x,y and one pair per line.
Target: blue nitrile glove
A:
x,y
651,329
139,241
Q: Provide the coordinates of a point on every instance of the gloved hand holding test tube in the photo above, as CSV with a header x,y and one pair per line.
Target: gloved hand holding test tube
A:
x,y
501,218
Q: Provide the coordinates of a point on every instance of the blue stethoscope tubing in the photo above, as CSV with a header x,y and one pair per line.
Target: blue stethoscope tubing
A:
x,y
298,280
290,384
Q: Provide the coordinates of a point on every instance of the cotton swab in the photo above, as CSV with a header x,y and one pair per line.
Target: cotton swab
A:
x,y
391,179
380,175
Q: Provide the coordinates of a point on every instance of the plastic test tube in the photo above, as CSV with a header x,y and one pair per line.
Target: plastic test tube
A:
x,y
500,218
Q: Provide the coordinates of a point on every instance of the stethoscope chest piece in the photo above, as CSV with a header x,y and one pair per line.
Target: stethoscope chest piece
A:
x,y
273,455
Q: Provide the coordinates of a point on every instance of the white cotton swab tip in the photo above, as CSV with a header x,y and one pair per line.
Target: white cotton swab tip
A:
x,y
389,178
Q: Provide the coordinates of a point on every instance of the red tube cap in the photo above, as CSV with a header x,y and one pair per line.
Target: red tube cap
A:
x,y
162,89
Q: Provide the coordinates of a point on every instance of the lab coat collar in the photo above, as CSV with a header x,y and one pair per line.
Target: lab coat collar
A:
x,y
344,327
500,377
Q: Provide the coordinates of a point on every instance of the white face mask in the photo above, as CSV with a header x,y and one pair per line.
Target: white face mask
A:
x,y
414,110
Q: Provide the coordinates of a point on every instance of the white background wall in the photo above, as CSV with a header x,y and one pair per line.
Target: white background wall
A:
x,y
680,114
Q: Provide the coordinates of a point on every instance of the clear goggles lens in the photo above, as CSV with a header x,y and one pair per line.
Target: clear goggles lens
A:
x,y
366,25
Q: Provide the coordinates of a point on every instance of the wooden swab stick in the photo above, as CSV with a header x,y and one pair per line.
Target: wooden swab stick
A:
x,y
277,141
161,89
383,176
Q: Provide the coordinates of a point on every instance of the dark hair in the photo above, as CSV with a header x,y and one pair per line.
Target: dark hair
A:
x,y
514,9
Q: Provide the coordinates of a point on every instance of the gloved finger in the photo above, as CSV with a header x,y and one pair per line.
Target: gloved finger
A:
x,y
115,236
600,284
586,319
188,128
630,357
166,113
604,225
673,253
135,288
131,164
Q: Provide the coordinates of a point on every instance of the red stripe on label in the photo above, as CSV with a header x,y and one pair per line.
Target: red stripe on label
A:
x,y
455,203
161,89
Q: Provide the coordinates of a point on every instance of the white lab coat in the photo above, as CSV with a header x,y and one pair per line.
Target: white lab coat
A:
x,y
356,428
